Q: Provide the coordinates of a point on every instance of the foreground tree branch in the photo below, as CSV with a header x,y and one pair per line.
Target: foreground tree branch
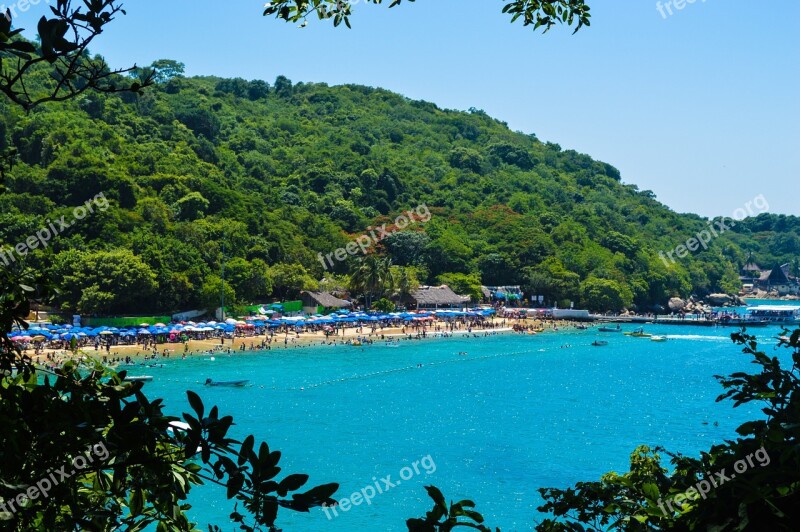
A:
x,y
60,66
537,13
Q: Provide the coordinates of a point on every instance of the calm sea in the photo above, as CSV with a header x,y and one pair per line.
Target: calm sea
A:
x,y
513,414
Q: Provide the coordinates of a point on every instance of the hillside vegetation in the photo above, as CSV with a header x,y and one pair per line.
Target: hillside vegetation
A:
x,y
276,174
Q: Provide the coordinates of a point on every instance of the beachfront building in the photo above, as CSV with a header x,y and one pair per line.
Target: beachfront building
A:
x,y
749,275
322,302
510,295
437,297
780,280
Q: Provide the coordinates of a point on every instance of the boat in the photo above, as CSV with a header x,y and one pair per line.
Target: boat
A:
x,y
230,384
727,321
658,338
638,333
774,314
610,329
599,343
138,378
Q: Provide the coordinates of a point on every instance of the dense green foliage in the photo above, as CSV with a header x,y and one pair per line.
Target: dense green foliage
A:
x,y
536,13
277,174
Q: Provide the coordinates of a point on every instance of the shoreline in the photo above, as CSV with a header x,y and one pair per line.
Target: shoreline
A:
x,y
129,354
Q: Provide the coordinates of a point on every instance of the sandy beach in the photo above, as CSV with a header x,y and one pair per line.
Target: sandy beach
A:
x,y
294,340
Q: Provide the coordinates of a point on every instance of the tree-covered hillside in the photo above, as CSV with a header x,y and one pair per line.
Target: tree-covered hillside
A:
x,y
277,174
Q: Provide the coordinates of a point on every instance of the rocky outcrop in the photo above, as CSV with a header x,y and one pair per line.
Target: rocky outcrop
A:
x,y
676,304
724,300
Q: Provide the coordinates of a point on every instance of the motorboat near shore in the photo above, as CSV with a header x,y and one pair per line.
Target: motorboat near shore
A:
x,y
610,329
229,384
599,343
727,321
658,338
638,333
774,314
138,378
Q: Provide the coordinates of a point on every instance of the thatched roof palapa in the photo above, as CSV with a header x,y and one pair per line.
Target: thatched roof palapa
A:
x,y
438,296
324,299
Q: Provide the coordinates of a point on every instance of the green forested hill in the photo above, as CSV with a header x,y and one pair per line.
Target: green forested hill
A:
x,y
279,173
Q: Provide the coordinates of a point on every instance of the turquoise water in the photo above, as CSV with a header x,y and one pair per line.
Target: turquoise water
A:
x,y
517,412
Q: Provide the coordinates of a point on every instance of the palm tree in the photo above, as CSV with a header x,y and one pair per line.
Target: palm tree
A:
x,y
372,277
404,284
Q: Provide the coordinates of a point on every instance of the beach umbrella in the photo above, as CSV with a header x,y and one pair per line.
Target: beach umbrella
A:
x,y
144,325
106,333
144,331
69,336
159,325
39,338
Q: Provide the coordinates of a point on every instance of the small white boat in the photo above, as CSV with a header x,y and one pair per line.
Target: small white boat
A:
x,y
138,378
230,384
658,338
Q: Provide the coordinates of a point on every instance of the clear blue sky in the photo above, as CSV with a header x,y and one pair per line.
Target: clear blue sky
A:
x,y
700,107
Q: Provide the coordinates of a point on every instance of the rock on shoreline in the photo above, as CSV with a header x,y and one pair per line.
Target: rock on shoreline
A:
x,y
704,305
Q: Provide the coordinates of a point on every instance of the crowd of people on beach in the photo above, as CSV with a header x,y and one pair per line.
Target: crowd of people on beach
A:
x,y
150,350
